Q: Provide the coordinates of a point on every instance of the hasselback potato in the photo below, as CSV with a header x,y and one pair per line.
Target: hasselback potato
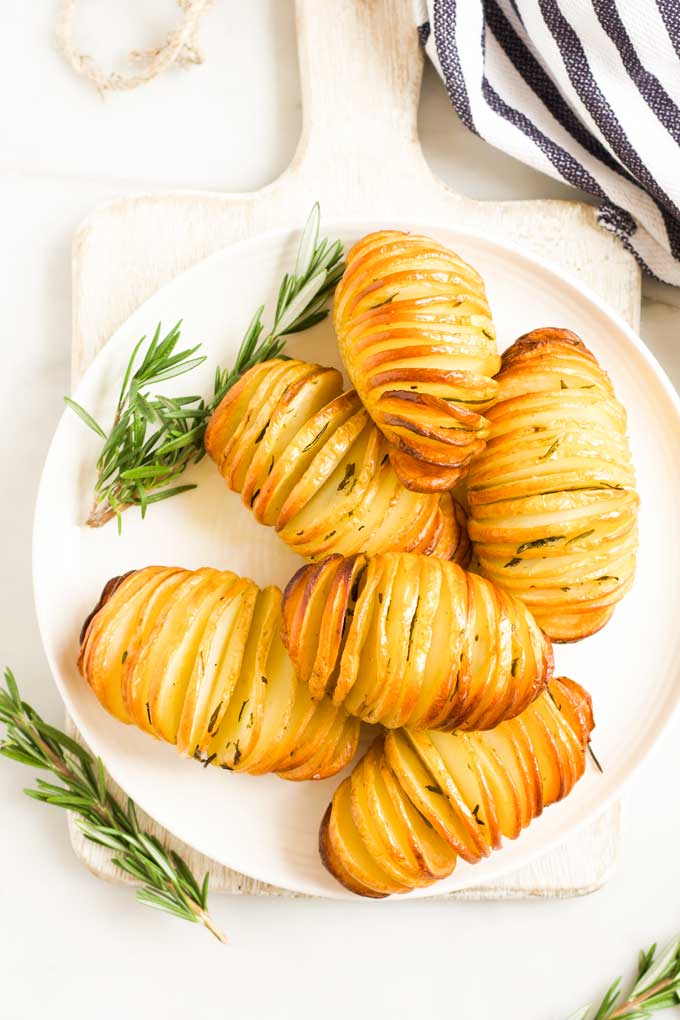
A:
x,y
553,506
308,460
419,800
407,640
416,335
195,657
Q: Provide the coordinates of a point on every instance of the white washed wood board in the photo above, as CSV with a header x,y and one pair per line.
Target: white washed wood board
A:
x,y
359,155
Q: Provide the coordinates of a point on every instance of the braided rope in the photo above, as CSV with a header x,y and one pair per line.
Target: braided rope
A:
x,y
180,48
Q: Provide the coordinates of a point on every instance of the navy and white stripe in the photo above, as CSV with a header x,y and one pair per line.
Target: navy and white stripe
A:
x,y
587,91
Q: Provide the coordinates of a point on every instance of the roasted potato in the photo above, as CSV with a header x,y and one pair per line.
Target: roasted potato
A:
x,y
195,657
419,800
416,335
553,506
308,460
407,640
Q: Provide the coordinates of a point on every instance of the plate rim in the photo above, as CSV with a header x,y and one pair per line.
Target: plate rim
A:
x,y
494,866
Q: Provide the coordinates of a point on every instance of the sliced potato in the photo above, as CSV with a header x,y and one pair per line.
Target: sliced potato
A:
x,y
298,403
343,851
110,631
419,799
415,332
173,649
196,658
308,460
135,686
423,644
292,462
228,624
552,500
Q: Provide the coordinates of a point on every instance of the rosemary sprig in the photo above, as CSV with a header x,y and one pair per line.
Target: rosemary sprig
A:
x,y
657,987
153,438
167,882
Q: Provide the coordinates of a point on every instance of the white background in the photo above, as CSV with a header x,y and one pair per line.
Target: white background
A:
x,y
72,946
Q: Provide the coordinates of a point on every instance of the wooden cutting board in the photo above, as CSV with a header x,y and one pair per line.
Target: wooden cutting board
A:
x,y
359,156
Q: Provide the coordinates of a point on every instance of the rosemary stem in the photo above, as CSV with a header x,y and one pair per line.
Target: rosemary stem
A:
x,y
64,771
101,514
206,920
630,1005
23,723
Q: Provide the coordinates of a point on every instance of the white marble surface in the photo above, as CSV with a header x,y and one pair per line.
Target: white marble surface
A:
x,y
72,946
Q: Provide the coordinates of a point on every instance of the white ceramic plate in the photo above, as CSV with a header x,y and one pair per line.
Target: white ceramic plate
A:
x,y
262,826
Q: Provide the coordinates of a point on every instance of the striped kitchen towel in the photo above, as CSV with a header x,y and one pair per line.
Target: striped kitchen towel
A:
x,y
587,91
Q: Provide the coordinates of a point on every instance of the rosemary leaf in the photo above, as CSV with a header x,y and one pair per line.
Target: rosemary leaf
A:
x,y
86,417
168,883
299,303
308,244
657,988
154,438
156,497
656,969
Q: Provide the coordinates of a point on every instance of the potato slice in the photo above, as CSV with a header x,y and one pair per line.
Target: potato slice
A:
x,y
394,832
374,661
551,765
486,654
329,493
299,402
135,683
331,468
419,643
278,711
435,856
237,431
349,849
448,760
575,705
376,836
107,637
443,808
238,456
233,408
293,461
400,618
408,521
241,682
358,627
316,737
306,597
502,792
336,619
227,630
336,751
172,650
440,655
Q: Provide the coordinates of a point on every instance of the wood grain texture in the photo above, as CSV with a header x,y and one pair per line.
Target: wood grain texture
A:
x,y
359,155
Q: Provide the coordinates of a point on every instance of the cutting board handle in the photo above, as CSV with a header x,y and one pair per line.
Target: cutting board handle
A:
x,y
360,70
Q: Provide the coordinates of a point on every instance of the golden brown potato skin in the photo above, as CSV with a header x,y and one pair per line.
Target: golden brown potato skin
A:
x,y
308,460
195,657
553,506
418,800
416,335
407,640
